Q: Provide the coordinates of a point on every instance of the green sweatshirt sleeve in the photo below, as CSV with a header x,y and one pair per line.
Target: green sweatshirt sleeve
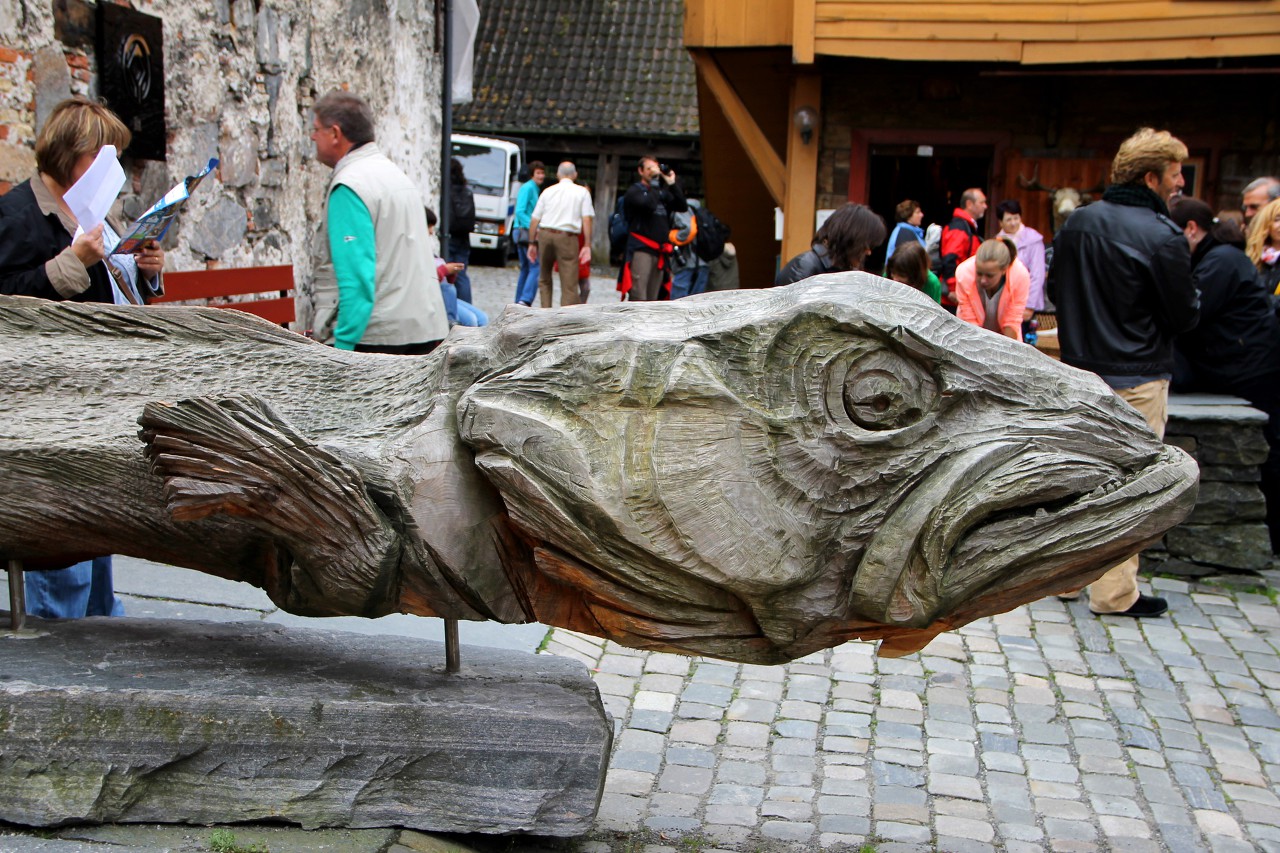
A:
x,y
351,246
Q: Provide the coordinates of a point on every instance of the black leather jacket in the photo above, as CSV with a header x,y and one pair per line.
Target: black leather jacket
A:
x,y
816,261
1121,280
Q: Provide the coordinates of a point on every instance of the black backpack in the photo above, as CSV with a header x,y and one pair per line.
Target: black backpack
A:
x,y
712,234
619,228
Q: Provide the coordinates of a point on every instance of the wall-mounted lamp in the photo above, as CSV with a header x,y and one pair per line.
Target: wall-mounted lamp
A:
x,y
806,119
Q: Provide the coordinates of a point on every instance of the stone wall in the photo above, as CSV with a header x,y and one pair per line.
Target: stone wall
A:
x,y
240,78
1225,533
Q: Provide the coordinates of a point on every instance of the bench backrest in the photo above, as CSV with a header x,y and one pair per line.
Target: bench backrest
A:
x,y
206,284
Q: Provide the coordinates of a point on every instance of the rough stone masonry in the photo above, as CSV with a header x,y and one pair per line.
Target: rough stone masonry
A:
x,y
240,77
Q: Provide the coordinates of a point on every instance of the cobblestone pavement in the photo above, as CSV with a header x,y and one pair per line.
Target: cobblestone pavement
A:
x,y
1046,728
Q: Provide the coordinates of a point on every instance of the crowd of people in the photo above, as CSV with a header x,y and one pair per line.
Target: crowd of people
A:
x,y
1152,289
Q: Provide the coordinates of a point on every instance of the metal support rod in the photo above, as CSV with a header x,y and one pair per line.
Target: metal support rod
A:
x,y
446,130
17,596
452,653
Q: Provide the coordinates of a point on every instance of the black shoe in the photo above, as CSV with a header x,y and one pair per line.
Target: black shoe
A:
x,y
1145,606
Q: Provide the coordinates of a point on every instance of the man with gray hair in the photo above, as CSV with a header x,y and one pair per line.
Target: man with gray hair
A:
x,y
373,257
563,212
1258,194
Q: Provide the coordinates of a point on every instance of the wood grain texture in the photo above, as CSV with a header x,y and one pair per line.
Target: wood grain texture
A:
x,y
752,475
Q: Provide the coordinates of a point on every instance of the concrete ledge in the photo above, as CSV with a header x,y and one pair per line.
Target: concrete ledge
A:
x,y
157,721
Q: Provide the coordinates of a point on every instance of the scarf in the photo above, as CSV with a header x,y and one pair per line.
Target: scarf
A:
x,y
1135,195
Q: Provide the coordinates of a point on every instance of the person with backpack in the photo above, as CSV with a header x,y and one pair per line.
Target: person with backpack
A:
x,y
960,240
648,207
462,221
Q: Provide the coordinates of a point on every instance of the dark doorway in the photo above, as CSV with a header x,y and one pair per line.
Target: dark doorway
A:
x,y
899,172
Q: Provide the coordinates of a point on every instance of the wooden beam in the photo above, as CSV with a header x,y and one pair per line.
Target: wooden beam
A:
x,y
606,199
803,13
800,208
762,154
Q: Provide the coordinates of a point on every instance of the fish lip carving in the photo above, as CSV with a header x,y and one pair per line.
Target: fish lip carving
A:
x,y
928,558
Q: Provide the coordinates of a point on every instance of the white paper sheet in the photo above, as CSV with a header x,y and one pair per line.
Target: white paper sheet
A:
x,y
91,197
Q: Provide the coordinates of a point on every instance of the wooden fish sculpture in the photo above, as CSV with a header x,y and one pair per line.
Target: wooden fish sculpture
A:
x,y
752,475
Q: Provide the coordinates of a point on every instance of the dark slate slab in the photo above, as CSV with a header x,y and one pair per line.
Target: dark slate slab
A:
x,y
137,720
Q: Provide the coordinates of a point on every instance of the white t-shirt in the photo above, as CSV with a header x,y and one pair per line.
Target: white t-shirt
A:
x,y
563,207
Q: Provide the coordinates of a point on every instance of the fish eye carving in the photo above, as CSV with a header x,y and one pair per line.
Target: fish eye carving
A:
x,y
881,391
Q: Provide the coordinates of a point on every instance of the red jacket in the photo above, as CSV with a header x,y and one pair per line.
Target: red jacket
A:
x,y
960,241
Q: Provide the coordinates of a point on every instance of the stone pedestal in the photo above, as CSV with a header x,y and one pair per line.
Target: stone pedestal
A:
x,y
138,720
1226,532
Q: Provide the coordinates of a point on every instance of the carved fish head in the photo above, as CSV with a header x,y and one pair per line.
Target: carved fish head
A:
x,y
758,475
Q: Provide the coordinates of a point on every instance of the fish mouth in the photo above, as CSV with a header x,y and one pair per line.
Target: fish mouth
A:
x,y
1006,522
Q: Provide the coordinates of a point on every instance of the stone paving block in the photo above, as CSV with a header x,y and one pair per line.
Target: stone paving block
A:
x,y
950,730
621,664
770,691
781,830
672,823
741,772
677,805
1063,809
1217,823
1069,830
667,663
786,809
962,827
648,700
716,673
752,710
704,732
746,734
699,711
893,831
650,721
685,780
658,683
690,757
634,782
706,694
647,762
947,785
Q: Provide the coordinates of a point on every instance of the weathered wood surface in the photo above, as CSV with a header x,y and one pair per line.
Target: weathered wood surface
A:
x,y
752,475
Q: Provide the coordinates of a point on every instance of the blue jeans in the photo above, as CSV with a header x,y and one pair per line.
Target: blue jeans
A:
x,y
85,589
527,283
459,251
689,281
470,315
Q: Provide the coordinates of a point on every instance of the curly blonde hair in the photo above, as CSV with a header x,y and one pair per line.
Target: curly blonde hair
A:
x,y
1148,150
1260,232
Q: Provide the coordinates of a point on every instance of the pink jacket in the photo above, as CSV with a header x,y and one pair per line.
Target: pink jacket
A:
x,y
1013,299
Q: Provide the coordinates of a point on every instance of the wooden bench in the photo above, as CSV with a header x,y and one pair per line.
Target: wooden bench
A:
x,y
212,284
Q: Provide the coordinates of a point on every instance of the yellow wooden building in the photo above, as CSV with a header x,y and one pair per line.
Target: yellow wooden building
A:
x,y
805,104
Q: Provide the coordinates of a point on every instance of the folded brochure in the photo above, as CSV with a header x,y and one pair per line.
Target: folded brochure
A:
x,y
153,224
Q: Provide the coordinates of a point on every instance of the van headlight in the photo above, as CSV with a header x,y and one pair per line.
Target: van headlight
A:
x,y
486,228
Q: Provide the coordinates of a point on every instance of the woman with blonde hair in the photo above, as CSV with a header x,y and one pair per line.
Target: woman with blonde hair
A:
x,y
1263,245
992,288
42,255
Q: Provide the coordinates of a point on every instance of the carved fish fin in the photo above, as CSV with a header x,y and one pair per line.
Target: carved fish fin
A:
x,y
237,457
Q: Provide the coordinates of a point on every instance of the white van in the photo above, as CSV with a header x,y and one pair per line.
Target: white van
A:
x,y
492,167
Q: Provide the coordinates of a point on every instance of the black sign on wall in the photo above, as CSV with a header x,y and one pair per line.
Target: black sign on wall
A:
x,y
131,75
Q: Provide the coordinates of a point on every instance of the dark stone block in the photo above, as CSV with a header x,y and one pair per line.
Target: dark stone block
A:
x,y
1228,503
1224,443
138,720
1230,473
1182,568
1232,546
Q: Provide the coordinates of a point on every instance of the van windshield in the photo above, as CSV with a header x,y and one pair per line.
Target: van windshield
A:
x,y
485,168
